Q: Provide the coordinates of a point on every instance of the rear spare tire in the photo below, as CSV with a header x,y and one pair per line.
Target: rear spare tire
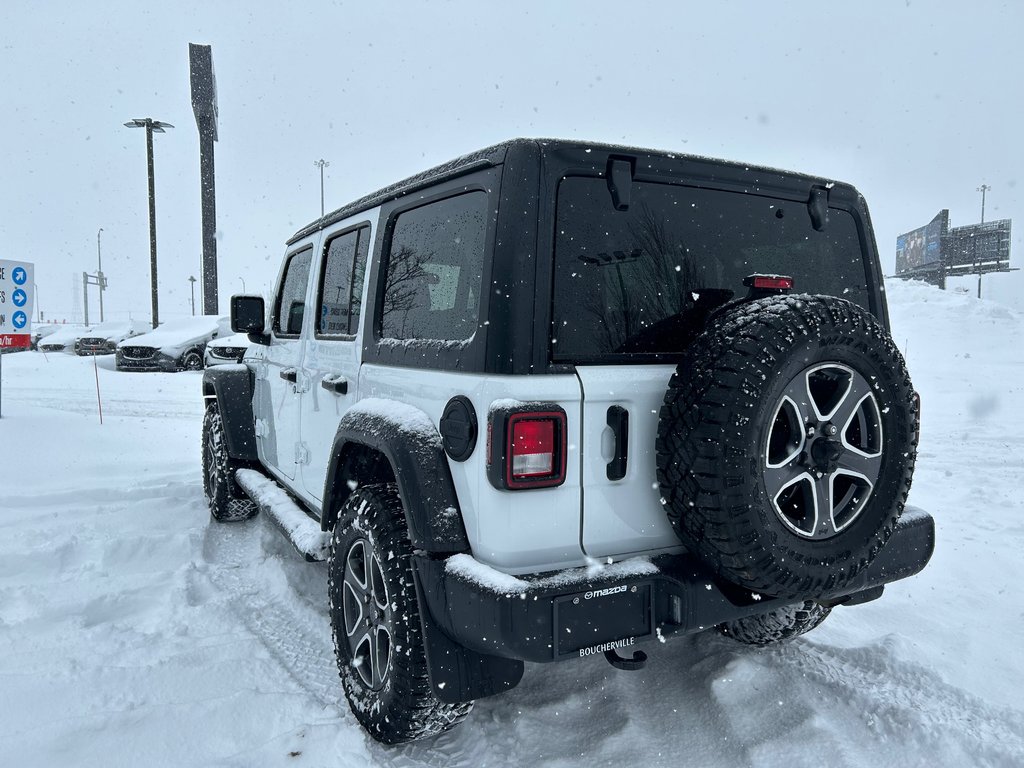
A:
x,y
786,444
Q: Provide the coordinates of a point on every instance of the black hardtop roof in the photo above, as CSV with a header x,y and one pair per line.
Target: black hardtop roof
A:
x,y
495,155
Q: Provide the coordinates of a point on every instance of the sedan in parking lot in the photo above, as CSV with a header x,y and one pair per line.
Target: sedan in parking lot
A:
x,y
178,345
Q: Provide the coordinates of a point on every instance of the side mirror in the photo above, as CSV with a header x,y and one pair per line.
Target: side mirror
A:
x,y
247,316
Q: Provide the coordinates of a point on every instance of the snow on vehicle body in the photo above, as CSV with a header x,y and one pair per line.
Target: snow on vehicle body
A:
x,y
62,340
563,385
176,345
103,339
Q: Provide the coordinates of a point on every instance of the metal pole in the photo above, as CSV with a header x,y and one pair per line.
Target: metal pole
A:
x,y
208,202
192,289
152,222
99,270
983,189
321,164
85,293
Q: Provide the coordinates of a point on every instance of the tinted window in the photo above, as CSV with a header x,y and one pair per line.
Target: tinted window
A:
x,y
341,285
643,280
291,300
432,283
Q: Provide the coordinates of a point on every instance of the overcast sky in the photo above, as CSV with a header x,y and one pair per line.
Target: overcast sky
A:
x,y
916,103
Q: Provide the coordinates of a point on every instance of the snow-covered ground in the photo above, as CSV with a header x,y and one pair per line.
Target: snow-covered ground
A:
x,y
134,633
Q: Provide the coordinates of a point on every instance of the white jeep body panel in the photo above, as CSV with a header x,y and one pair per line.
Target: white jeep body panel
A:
x,y
623,517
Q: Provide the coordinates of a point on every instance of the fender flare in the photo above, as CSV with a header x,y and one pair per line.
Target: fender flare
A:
x,y
410,442
232,387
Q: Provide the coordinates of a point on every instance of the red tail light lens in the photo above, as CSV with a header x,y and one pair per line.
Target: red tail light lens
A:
x,y
532,448
527,449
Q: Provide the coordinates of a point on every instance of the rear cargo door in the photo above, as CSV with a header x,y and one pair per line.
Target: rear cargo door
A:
x,y
622,512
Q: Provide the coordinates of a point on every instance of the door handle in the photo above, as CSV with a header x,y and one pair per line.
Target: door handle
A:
x,y
336,384
618,420
289,374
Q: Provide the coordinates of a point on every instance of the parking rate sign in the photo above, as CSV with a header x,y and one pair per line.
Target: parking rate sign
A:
x,y
16,296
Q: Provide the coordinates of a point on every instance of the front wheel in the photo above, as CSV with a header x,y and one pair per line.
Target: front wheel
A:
x,y
192,361
375,618
228,503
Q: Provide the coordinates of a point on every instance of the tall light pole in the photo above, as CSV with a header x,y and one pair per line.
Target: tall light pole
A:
x,y
192,290
243,283
151,126
321,164
983,189
99,271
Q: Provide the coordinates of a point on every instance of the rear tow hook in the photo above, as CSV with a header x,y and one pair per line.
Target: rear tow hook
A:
x,y
637,662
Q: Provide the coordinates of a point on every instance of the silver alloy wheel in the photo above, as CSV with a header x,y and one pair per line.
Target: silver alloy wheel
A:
x,y
823,451
368,615
192,362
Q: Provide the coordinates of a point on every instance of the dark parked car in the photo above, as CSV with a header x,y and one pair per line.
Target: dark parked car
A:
x,y
178,345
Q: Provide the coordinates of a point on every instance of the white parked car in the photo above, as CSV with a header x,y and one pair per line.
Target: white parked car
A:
x,y
63,340
103,339
228,349
178,345
40,332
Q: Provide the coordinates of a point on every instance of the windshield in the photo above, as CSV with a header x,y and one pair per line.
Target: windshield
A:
x,y
643,280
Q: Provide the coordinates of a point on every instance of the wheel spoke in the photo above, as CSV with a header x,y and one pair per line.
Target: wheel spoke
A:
x,y
352,602
362,657
797,394
824,525
859,464
777,479
851,402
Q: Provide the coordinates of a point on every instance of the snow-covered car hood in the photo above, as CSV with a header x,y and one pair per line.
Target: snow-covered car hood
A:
x,y
115,331
175,335
65,336
234,340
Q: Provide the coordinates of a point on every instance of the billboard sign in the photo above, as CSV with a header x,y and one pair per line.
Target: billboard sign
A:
x,y
984,247
921,249
16,295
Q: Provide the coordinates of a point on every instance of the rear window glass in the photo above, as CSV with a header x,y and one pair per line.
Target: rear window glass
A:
x,y
434,267
643,280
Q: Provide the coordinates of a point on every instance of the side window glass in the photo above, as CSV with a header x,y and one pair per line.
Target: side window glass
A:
x,y
341,285
434,267
291,299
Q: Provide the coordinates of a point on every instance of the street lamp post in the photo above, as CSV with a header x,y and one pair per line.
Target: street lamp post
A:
x,y
151,126
983,189
243,283
321,164
192,290
99,271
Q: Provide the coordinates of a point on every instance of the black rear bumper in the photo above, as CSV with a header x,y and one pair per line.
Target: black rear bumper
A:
x,y
575,614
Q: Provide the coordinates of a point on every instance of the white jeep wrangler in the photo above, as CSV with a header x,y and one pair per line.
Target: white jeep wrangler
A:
x,y
555,399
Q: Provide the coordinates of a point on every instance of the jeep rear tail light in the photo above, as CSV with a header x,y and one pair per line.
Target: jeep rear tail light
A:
x,y
527,448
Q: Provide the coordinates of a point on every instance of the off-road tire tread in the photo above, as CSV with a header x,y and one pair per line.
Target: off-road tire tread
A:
x,y
406,709
705,473
781,624
227,501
